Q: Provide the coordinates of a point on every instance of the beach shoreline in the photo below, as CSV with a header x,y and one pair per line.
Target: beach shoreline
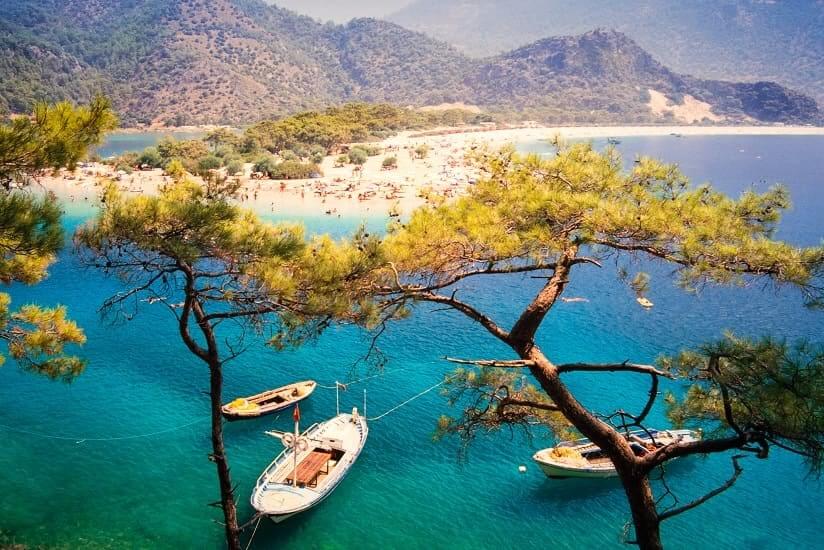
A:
x,y
373,191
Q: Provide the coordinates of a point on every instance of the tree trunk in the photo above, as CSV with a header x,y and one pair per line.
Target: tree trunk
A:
x,y
644,513
211,356
219,457
636,486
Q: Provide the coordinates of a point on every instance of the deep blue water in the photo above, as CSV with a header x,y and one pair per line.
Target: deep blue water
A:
x,y
406,491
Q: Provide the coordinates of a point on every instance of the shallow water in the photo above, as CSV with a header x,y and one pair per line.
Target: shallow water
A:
x,y
125,142
405,491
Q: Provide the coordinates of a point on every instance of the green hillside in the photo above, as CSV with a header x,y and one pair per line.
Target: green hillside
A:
x,y
179,62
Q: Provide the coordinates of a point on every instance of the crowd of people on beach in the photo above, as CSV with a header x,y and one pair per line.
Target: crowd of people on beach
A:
x,y
370,188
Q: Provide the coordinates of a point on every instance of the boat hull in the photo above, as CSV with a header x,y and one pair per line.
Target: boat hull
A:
x,y
555,467
554,471
233,415
276,498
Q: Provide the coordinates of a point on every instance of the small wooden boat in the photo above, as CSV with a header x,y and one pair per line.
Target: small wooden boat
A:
x,y
310,467
582,458
645,302
268,402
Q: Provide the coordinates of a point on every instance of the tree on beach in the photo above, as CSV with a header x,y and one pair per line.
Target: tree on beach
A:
x,y
150,157
221,136
222,273
358,156
552,218
31,234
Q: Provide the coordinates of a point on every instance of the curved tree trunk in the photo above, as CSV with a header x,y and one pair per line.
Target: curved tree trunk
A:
x,y
637,487
227,499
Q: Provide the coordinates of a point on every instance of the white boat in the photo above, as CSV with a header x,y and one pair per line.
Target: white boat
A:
x,y
268,402
582,458
310,467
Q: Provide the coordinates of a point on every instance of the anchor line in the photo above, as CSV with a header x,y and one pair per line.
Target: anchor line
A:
x,y
97,439
344,385
414,397
259,517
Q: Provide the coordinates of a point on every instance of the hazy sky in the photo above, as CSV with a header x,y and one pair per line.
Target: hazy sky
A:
x,y
342,10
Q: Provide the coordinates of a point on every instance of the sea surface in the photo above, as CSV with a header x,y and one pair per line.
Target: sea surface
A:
x,y
118,143
67,480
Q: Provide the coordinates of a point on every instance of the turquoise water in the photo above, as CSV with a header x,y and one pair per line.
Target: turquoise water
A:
x,y
405,491
119,143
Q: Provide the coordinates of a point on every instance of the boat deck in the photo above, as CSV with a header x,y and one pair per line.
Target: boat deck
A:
x,y
319,469
310,468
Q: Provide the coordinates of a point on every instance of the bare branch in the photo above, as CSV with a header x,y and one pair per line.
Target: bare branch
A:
x,y
529,404
183,320
242,313
686,448
516,364
612,367
737,469
526,268
586,260
653,394
467,310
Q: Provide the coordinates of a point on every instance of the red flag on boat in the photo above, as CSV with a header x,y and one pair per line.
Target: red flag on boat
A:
x,y
296,413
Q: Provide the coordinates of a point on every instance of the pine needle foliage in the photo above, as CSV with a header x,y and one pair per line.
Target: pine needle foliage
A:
x,y
31,235
528,209
768,387
551,217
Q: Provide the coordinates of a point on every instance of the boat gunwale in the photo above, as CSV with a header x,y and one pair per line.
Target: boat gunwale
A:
x,y
269,408
363,429
584,443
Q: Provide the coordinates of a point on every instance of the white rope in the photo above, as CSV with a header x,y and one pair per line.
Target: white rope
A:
x,y
84,439
260,517
396,407
344,385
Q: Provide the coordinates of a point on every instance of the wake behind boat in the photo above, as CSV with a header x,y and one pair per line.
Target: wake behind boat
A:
x,y
310,467
268,402
582,458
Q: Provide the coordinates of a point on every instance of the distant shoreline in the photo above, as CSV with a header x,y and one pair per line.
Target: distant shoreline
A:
x,y
205,128
621,130
630,131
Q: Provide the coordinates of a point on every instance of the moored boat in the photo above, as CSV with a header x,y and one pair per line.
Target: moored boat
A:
x,y
268,402
310,467
582,458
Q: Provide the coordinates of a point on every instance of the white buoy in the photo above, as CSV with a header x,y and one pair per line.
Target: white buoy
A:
x,y
522,468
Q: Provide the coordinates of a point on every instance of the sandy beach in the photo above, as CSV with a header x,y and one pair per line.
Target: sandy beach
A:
x,y
373,191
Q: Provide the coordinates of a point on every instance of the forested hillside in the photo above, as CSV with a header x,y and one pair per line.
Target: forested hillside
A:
x,y
604,75
180,62
781,40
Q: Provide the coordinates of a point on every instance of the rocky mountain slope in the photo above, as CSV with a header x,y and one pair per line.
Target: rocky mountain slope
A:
x,y
750,40
238,61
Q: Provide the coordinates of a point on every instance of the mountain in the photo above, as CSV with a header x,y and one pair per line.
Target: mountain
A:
x,y
342,11
749,40
238,61
607,76
389,63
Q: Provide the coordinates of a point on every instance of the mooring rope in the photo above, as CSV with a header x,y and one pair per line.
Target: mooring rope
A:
x,y
414,397
79,440
260,517
344,385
